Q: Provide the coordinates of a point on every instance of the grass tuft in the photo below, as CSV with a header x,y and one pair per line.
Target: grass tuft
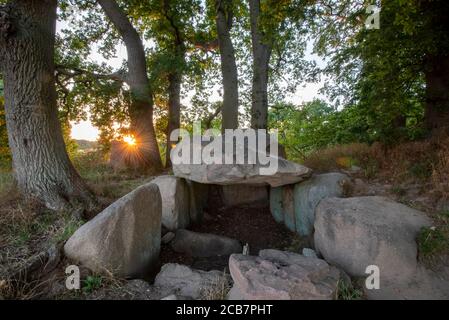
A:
x,y
348,292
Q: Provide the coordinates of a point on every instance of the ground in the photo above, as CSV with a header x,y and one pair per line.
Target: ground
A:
x,y
28,231
250,225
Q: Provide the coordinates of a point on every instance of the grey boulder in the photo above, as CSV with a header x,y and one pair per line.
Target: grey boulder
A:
x,y
187,282
309,193
124,239
355,233
280,275
175,197
197,244
294,205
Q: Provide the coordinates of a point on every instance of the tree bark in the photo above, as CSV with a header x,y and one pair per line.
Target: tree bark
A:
x,y
41,165
223,20
437,92
174,78
141,109
174,110
261,57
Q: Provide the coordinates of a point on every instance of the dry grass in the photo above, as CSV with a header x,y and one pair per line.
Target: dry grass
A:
x,y
218,289
419,162
105,182
27,229
22,290
338,157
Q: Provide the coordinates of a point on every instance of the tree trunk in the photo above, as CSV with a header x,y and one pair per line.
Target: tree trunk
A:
x,y
141,109
228,66
41,165
261,58
437,92
174,78
174,110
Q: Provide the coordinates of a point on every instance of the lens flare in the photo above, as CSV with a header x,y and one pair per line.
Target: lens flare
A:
x,y
130,140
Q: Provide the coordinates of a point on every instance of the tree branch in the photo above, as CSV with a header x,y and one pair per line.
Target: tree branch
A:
x,y
119,76
211,117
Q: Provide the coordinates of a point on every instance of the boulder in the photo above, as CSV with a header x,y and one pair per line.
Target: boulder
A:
x,y
187,282
286,172
197,244
309,193
238,195
235,294
307,252
175,202
354,233
282,206
276,201
198,195
169,236
124,239
280,275
294,205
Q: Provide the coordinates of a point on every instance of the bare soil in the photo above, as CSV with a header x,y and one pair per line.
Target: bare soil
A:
x,y
250,225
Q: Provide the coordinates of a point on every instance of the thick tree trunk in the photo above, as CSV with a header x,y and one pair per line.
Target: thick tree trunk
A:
x,y
261,58
228,65
141,110
41,165
174,110
174,78
437,92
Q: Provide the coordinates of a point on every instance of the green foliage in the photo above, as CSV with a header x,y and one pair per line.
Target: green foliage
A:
x,y
70,225
433,241
381,72
92,283
315,125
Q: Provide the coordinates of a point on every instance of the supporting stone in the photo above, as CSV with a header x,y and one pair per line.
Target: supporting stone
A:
x,y
198,194
282,206
175,202
276,204
309,193
294,205
240,195
288,207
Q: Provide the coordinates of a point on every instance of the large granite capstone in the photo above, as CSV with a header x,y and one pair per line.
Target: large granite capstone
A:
x,y
249,173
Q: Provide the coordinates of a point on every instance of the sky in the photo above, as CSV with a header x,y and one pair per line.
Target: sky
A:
x,y
84,130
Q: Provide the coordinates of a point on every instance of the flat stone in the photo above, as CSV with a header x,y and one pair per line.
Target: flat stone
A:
x,y
280,275
187,282
287,172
